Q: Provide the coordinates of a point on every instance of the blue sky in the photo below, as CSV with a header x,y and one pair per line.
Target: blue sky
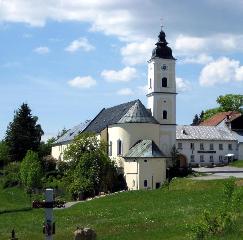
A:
x,y
68,59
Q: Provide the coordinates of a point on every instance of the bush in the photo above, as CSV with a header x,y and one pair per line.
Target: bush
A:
x,y
11,175
31,170
220,220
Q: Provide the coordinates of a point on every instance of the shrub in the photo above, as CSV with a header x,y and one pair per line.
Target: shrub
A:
x,y
31,170
11,175
220,220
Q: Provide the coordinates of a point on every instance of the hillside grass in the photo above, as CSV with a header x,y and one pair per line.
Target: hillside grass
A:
x,y
238,163
154,214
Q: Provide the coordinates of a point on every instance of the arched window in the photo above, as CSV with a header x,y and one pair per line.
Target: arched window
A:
x,y
164,114
119,147
164,82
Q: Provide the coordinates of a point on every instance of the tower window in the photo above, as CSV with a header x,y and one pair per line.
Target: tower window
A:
x,y
164,114
119,147
150,83
164,82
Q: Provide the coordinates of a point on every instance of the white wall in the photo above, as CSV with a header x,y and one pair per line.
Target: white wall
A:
x,y
187,151
151,169
129,134
240,147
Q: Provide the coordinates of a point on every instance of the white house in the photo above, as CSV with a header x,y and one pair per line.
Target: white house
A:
x,y
205,145
139,139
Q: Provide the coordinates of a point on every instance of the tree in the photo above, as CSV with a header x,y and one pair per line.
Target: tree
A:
x,y
195,120
228,102
231,102
91,170
23,133
4,153
31,171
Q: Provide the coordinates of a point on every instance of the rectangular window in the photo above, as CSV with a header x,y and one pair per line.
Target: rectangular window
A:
x,y
192,158
179,145
192,146
220,158
201,146
201,158
110,148
230,146
145,183
211,158
221,146
119,147
211,146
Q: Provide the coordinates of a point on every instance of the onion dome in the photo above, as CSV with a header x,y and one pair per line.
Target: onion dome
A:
x,y
162,50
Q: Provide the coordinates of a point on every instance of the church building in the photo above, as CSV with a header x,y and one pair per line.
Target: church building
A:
x,y
139,138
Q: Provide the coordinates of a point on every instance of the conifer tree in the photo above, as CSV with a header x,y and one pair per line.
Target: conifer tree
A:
x,y
23,133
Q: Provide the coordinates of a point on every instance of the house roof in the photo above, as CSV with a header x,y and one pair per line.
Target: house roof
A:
x,y
144,149
219,117
203,133
71,133
238,135
138,114
130,112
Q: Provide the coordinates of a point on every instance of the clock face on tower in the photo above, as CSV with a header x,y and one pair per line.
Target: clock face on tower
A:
x,y
163,67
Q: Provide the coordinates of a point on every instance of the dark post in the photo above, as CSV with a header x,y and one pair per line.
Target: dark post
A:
x,y
13,235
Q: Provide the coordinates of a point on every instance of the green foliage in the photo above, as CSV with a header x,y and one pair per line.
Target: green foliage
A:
x,y
4,154
231,102
211,112
45,147
23,133
175,162
11,174
228,102
220,220
31,171
90,169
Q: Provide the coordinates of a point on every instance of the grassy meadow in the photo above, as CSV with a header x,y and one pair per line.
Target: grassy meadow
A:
x,y
154,214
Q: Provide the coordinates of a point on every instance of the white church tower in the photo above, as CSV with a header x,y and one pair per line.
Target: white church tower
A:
x,y
162,92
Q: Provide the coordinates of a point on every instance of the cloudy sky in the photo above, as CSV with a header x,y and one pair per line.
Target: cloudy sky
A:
x,y
70,58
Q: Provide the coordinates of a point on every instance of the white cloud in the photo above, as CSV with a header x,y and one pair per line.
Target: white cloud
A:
x,y
82,82
143,89
125,92
220,71
124,75
189,43
42,50
199,59
182,85
81,43
137,52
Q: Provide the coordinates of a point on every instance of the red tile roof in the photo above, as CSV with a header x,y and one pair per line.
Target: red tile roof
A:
x,y
219,117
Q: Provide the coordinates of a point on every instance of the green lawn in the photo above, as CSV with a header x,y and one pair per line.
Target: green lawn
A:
x,y
238,163
157,214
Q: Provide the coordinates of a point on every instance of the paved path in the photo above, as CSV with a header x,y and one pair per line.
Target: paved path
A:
x,y
219,172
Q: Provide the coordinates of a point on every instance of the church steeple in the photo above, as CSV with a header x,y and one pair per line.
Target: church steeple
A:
x,y
162,91
162,50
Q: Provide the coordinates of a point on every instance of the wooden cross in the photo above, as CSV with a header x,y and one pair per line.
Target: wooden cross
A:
x,y
48,204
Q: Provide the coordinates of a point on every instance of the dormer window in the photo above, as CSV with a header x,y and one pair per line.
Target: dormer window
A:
x,y
164,82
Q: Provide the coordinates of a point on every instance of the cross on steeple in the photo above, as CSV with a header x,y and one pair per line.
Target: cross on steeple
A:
x,y
161,26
